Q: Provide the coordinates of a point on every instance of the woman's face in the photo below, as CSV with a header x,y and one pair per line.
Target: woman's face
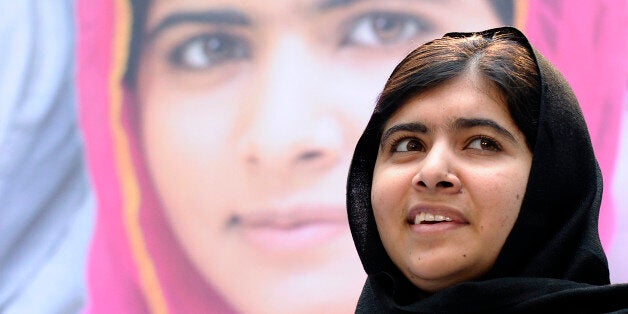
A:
x,y
249,113
448,182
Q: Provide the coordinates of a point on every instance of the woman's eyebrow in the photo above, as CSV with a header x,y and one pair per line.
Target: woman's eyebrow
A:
x,y
326,5
415,127
218,17
464,123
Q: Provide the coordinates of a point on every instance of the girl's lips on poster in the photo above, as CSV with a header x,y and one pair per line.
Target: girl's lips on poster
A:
x,y
291,229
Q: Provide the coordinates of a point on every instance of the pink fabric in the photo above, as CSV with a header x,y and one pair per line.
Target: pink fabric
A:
x,y
113,280
111,272
584,40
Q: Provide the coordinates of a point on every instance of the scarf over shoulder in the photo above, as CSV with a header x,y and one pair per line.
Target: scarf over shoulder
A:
x,y
552,259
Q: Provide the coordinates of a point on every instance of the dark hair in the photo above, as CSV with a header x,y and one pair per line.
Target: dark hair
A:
x,y
505,9
139,12
500,58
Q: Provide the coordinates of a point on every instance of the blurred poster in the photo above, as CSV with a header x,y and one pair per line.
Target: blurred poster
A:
x,y
219,135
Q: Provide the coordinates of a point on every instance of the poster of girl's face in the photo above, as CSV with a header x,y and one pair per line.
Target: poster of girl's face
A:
x,y
230,128
249,112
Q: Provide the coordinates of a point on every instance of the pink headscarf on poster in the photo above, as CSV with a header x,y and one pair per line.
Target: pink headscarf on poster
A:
x,y
135,266
583,40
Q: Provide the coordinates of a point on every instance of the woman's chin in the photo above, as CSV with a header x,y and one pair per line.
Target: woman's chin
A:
x,y
304,295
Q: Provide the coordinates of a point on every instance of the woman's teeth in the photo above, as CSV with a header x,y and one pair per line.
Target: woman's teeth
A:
x,y
421,217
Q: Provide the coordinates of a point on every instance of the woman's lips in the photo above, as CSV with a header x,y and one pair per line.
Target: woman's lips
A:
x,y
292,229
430,218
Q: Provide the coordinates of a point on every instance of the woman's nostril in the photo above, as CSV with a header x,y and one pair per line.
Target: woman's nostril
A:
x,y
445,184
252,160
310,155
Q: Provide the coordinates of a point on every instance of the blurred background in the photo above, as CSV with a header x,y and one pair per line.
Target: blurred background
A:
x,y
191,155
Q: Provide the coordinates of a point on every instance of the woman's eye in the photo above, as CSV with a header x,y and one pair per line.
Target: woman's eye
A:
x,y
484,144
384,28
208,50
407,145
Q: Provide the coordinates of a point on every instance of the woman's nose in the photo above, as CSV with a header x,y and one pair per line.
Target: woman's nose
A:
x,y
288,128
291,145
435,173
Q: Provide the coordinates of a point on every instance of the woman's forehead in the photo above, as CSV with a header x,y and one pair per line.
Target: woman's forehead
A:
x,y
456,98
283,10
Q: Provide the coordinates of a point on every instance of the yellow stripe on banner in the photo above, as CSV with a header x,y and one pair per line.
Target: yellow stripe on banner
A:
x,y
130,189
521,14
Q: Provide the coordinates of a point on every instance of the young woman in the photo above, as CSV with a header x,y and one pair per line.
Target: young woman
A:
x,y
474,187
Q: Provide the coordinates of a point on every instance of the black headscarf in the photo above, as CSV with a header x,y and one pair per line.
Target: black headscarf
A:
x,y
552,259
